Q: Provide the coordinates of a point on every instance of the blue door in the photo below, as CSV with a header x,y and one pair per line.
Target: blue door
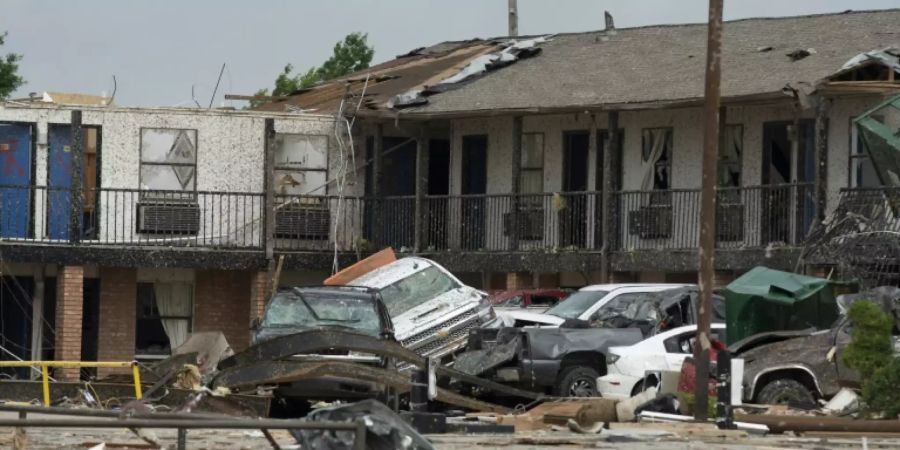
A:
x,y
59,182
15,180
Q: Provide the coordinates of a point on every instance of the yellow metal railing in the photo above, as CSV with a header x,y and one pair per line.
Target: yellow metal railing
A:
x,y
76,365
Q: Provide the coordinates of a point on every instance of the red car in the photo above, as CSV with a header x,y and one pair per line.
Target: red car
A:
x,y
536,299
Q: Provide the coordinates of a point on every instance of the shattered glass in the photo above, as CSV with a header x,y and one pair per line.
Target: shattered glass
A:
x,y
576,304
415,289
310,310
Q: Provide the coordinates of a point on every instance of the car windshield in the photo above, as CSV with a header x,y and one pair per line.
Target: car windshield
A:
x,y
576,304
416,289
314,309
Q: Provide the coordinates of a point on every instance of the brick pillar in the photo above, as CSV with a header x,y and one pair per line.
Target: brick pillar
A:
x,y
258,283
519,280
220,304
118,311
722,278
69,312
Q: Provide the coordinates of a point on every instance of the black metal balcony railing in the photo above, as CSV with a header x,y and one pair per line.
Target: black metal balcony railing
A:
x,y
747,217
658,220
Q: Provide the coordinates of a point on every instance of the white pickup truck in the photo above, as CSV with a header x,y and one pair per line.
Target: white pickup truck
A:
x,y
432,310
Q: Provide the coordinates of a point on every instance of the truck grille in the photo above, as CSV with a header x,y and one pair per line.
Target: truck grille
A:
x,y
434,346
410,341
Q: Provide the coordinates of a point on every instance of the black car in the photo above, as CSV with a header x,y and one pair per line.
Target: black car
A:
x,y
356,309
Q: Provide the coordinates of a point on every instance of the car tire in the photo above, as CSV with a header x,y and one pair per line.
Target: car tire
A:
x,y
578,381
785,391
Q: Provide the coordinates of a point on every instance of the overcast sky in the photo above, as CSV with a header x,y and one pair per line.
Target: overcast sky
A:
x,y
159,49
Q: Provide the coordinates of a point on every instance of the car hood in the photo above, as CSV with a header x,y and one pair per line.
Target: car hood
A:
x,y
525,319
810,348
436,311
767,338
267,333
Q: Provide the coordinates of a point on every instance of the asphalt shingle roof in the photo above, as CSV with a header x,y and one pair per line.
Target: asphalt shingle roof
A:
x,y
666,63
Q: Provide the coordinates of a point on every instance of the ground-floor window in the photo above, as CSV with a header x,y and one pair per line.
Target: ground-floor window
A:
x,y
164,317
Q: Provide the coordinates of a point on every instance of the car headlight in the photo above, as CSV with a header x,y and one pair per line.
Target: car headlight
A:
x,y
612,358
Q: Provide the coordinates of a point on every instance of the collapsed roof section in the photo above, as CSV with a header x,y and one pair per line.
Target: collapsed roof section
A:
x,y
511,51
375,86
872,72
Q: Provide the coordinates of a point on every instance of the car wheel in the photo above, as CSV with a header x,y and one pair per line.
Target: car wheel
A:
x,y
579,381
785,391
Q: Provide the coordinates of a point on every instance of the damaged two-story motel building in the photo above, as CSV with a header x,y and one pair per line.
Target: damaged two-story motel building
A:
x,y
557,160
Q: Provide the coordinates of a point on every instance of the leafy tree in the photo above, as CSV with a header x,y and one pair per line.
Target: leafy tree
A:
x,y
350,55
870,339
9,79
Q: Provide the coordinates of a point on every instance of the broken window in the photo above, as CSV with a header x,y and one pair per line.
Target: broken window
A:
x,y
164,318
301,164
862,171
416,289
310,310
656,163
168,162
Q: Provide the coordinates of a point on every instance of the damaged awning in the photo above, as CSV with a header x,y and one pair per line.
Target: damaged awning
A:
x,y
880,131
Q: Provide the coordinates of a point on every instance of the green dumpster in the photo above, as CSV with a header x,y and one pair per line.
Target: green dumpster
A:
x,y
765,299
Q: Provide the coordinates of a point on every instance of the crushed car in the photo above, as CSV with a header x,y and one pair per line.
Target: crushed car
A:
x,y
432,311
300,309
800,367
583,305
567,360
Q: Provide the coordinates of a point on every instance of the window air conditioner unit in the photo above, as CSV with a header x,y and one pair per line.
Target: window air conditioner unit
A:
x,y
302,222
168,218
531,224
651,222
730,222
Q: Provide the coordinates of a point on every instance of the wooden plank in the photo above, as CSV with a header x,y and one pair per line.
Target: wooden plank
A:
x,y
362,267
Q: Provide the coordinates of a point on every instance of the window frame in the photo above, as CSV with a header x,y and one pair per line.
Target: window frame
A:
x,y
296,168
139,316
660,197
523,168
167,194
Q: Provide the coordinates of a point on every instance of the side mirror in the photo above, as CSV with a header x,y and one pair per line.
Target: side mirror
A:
x,y
254,324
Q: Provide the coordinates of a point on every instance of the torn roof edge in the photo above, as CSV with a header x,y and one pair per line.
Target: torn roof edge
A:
x,y
512,50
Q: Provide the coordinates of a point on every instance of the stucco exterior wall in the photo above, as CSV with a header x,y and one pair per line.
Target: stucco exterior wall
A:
x,y
230,157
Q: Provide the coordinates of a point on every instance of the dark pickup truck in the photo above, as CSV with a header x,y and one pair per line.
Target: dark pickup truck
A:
x,y
357,309
567,361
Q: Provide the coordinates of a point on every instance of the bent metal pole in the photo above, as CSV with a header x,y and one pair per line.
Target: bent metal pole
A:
x,y
708,204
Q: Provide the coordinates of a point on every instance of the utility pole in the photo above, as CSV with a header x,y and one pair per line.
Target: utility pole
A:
x,y
708,205
513,18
